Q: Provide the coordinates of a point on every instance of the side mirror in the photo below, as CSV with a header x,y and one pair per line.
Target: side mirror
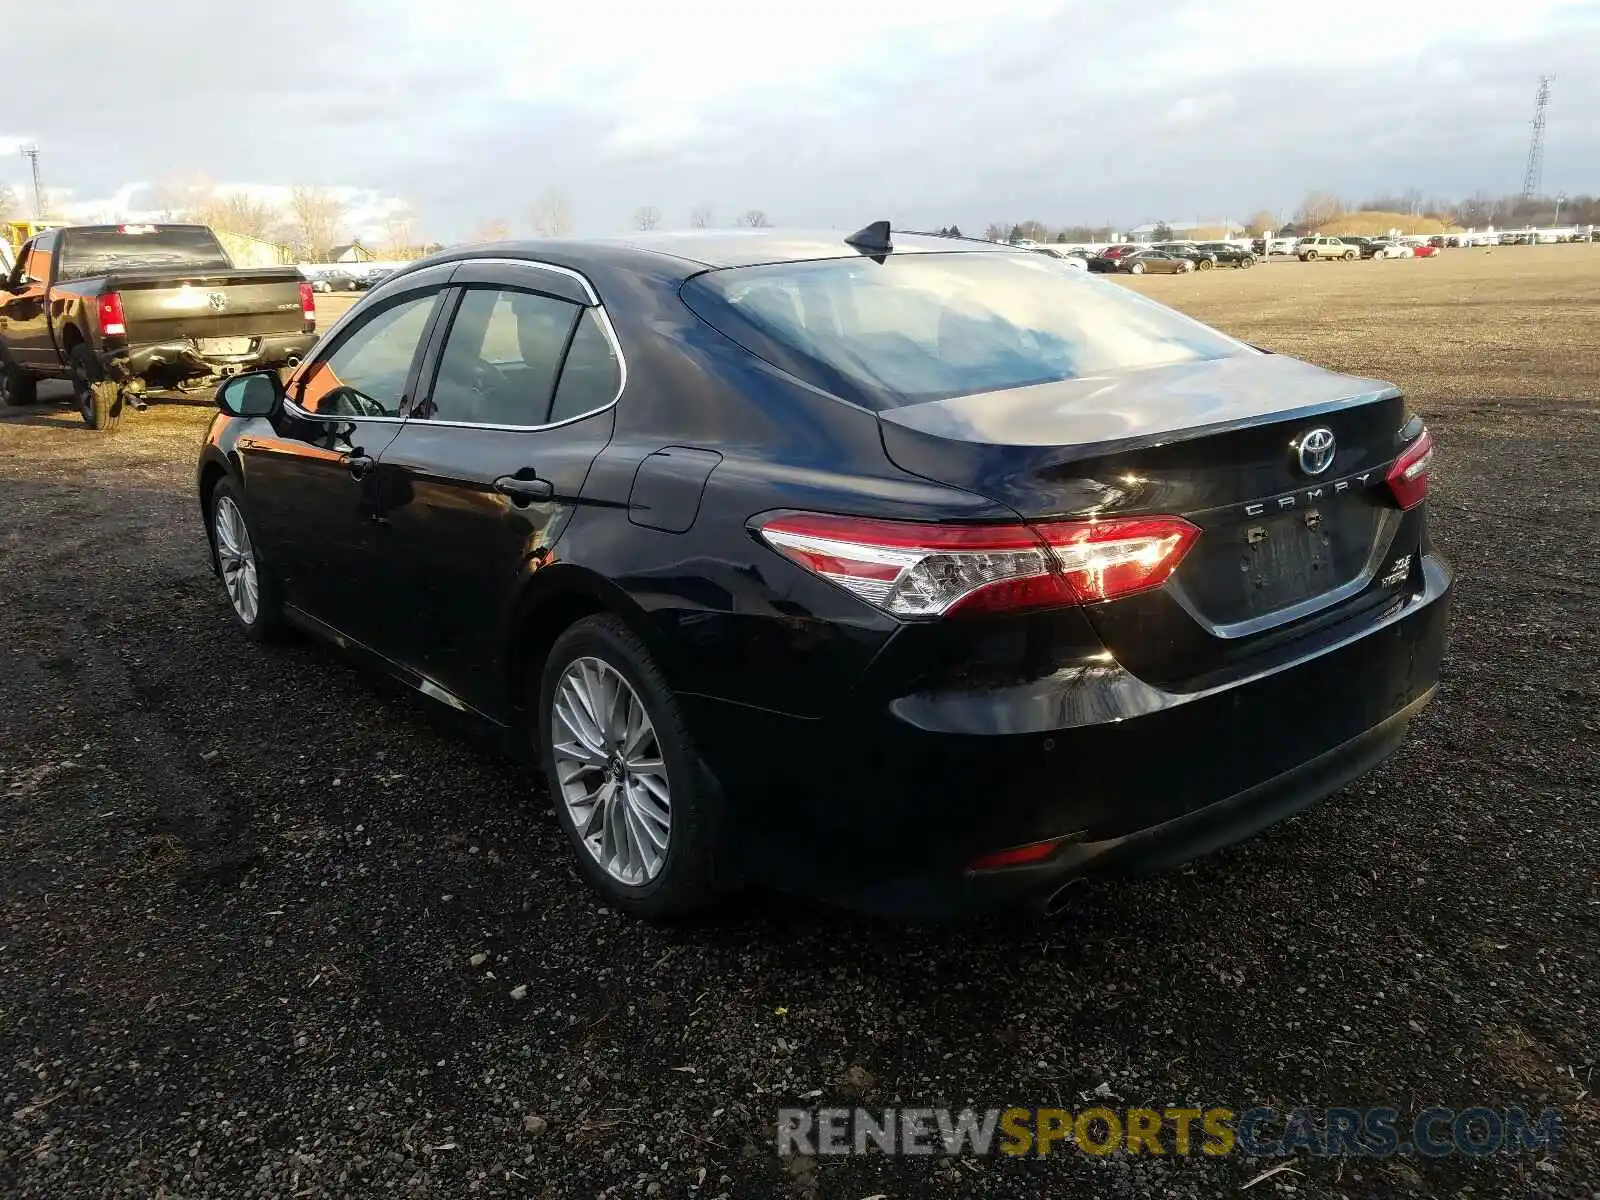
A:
x,y
257,394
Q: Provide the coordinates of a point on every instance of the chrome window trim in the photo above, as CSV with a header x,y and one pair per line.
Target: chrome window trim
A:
x,y
598,308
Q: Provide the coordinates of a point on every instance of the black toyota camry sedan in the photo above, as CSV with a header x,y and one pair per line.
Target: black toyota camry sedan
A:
x,y
914,574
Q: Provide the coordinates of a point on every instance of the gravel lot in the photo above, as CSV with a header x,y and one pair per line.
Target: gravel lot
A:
x,y
244,893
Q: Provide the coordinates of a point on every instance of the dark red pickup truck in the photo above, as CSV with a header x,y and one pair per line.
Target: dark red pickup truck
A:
x,y
127,310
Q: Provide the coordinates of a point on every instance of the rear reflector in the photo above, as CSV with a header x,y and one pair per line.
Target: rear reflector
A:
x,y
1408,478
308,303
1017,856
916,570
112,322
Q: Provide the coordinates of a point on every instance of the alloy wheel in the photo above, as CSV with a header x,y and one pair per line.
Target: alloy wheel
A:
x,y
237,555
613,777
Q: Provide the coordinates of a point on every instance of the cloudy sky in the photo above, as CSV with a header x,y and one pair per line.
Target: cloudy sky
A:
x,y
826,114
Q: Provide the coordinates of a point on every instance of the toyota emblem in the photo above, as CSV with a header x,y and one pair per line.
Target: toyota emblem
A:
x,y
1316,450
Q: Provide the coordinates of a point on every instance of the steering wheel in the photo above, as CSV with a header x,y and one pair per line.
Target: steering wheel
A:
x,y
485,378
347,401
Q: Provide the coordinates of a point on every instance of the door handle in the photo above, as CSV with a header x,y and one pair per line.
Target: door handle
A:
x,y
358,463
524,491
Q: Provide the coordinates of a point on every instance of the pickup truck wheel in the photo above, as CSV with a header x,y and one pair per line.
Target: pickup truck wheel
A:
x,y
99,399
16,389
1349,256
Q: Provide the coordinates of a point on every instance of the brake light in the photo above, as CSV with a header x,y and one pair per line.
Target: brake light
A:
x,y
1408,478
112,322
917,570
308,302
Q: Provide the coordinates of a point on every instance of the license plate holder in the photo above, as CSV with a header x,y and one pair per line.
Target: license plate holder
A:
x,y
224,347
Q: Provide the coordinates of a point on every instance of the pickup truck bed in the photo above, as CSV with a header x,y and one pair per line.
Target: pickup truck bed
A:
x,y
127,310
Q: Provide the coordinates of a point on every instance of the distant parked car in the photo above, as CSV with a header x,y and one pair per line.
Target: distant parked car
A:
x,y
335,281
1074,260
1100,264
1119,250
1363,245
1154,262
1227,254
1203,260
1390,248
1321,247
1426,250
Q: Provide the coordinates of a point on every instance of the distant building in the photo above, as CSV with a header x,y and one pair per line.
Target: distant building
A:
x,y
1183,229
247,251
350,253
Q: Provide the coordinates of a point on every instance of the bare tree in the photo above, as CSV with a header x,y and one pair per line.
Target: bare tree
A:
x,y
10,206
182,198
492,229
239,213
1263,222
648,216
399,232
996,232
317,216
1319,208
551,214
702,215
753,218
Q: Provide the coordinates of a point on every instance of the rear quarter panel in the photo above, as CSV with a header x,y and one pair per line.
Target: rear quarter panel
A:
x,y
737,621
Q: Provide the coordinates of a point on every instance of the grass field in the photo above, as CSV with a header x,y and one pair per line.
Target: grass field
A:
x,y
241,888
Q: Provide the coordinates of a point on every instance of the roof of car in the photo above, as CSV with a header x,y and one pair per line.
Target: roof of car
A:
x,y
696,250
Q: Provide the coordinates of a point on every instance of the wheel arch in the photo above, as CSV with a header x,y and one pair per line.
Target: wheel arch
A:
x,y
551,602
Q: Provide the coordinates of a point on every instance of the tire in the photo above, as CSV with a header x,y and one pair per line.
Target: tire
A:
x,y
1244,264
638,877
99,400
16,389
1205,264
1136,269
1349,256
1305,258
237,563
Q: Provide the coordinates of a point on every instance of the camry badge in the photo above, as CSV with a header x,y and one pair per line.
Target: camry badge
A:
x,y
1316,450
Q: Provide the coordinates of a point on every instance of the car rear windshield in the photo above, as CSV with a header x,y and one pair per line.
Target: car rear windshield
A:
x,y
922,327
89,252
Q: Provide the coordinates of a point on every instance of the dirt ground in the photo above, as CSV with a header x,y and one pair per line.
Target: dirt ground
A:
x,y
242,891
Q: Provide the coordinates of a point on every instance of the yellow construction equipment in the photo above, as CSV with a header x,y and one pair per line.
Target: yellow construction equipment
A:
x,y
18,232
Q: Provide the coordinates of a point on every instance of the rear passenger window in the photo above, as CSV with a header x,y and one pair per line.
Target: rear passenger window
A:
x,y
591,376
501,359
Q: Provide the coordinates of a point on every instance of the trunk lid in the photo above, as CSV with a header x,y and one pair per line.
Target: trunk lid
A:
x,y
218,310
1214,442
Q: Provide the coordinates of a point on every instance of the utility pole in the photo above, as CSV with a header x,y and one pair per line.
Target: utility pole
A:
x,y
1561,198
31,153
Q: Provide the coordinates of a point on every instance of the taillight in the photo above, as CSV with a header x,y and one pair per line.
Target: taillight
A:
x,y
112,322
916,570
308,303
1017,856
1408,478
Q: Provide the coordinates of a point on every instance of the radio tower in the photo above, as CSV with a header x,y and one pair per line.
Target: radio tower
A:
x,y
1531,176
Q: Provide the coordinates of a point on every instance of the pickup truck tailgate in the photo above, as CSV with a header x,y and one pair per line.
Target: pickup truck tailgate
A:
x,y
233,304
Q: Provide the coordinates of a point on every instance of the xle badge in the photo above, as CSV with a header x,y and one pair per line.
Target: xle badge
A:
x,y
1398,570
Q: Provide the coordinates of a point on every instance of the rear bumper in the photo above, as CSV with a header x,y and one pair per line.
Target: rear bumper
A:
x,y
179,360
885,811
